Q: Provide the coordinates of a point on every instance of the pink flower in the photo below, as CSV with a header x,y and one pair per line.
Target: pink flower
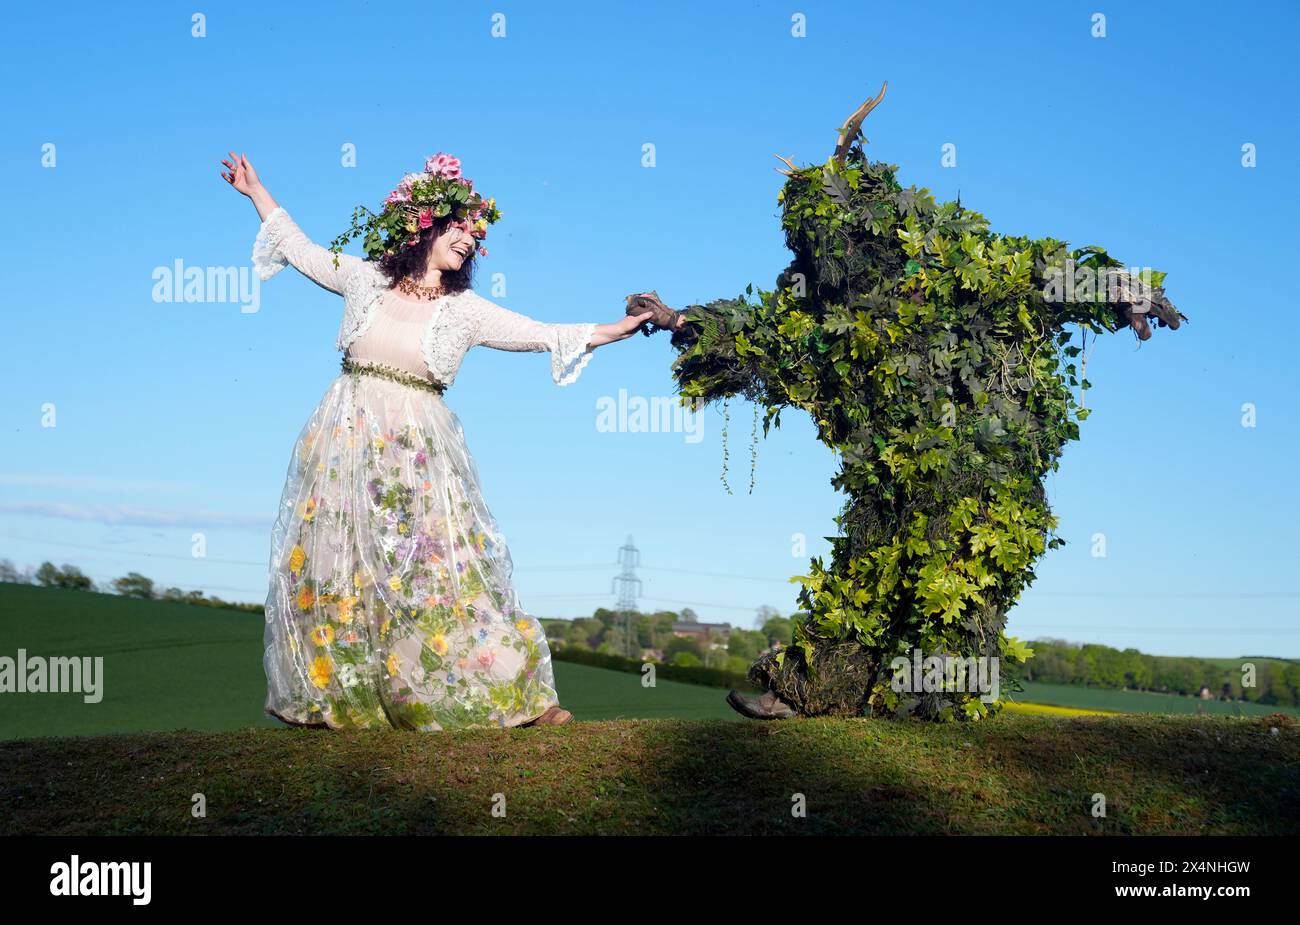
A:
x,y
443,165
487,658
403,191
426,218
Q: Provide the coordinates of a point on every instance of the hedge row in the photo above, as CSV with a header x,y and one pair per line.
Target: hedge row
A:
x,y
708,677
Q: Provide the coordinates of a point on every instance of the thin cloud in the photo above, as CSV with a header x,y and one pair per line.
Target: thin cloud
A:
x,y
90,483
130,515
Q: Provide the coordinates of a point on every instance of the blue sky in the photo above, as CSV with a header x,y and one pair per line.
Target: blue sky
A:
x,y
173,419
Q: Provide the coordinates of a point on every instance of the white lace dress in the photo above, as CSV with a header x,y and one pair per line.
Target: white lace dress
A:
x,y
391,601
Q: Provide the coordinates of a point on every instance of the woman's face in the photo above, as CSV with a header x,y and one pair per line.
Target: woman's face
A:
x,y
451,249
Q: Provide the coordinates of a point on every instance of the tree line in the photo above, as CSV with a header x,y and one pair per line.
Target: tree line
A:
x,y
132,584
731,649
1275,681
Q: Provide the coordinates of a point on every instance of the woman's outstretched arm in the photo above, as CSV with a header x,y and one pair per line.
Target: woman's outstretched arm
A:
x,y
570,345
280,241
622,329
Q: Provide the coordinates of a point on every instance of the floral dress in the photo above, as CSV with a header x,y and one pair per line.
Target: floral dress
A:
x,y
391,600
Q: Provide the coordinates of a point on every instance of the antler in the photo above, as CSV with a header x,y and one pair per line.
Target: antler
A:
x,y
789,163
854,123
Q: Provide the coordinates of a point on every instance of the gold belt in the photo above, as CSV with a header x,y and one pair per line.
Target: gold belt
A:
x,y
392,374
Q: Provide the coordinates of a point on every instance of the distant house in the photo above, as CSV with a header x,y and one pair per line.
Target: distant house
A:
x,y
713,635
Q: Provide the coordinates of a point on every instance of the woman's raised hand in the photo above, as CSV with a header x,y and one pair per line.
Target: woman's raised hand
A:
x,y
240,174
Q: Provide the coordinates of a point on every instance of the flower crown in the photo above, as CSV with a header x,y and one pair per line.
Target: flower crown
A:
x,y
420,200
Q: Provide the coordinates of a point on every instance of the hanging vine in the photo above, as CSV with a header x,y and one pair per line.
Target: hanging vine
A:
x,y
726,454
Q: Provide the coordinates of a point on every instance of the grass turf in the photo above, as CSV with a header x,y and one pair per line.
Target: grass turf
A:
x,y
1014,774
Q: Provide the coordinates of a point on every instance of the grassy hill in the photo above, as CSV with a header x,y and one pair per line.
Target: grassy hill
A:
x,y
699,768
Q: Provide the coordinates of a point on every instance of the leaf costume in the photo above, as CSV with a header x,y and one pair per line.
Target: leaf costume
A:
x,y
934,358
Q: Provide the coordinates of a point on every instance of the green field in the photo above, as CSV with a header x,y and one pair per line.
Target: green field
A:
x,y
177,666
174,666
1112,701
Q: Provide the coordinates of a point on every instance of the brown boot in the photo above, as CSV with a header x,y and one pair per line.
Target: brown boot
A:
x,y
1138,322
554,716
764,706
1163,309
292,722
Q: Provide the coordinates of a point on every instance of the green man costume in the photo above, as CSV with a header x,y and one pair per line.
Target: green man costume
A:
x,y
938,360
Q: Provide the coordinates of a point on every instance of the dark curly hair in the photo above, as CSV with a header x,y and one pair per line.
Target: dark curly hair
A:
x,y
413,262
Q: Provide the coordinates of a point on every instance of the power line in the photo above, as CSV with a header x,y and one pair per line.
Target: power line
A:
x,y
1159,629
668,600
566,596
133,552
1195,595
686,571
164,555
603,567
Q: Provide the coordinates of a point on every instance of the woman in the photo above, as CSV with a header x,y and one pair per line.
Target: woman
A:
x,y
391,599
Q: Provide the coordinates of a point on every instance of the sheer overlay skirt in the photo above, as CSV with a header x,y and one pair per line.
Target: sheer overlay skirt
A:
x,y
391,601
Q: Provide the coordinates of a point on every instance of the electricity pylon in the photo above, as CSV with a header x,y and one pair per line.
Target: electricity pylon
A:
x,y
628,588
